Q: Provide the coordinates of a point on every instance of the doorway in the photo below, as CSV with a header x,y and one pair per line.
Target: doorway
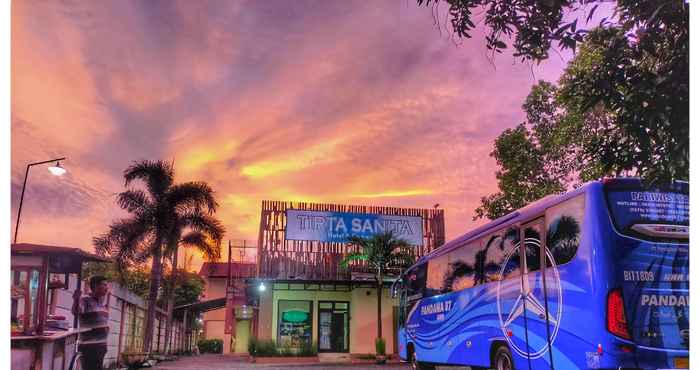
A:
x,y
333,326
540,288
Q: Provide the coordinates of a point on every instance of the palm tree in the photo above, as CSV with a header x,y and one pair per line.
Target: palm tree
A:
x,y
203,233
380,251
156,215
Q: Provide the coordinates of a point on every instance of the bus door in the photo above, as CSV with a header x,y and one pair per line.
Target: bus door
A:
x,y
539,290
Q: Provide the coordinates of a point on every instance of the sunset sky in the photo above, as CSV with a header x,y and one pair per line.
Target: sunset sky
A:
x,y
355,102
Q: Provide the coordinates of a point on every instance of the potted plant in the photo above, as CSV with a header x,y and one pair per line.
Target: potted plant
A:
x,y
380,347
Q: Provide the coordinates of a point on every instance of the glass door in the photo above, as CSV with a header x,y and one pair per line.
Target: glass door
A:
x,y
333,326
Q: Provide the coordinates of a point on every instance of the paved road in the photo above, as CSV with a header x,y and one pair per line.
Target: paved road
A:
x,y
223,362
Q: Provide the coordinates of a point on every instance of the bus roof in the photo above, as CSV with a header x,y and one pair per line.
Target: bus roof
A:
x,y
523,214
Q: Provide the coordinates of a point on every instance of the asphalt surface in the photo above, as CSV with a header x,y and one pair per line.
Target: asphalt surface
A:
x,y
224,362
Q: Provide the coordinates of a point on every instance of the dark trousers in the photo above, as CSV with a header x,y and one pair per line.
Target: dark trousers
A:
x,y
93,355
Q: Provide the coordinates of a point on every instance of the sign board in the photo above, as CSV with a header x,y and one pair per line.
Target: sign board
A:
x,y
336,227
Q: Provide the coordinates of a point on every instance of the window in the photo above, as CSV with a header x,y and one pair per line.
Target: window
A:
x,y
564,225
24,299
461,271
294,323
493,253
511,252
415,282
492,258
532,237
437,269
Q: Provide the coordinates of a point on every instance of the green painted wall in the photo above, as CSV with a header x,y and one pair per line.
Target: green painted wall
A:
x,y
242,336
363,314
315,296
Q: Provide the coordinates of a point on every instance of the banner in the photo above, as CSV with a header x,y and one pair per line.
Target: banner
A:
x,y
336,227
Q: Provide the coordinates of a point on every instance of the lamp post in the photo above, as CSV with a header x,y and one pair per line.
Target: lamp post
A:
x,y
55,170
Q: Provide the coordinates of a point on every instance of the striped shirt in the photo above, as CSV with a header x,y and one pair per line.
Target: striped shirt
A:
x,y
94,315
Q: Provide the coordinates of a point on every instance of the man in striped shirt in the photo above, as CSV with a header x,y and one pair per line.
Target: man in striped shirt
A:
x,y
93,313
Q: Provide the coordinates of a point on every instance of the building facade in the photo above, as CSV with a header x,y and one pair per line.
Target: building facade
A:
x,y
228,320
304,297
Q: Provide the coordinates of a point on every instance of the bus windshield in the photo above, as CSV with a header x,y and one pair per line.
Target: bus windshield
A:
x,y
656,214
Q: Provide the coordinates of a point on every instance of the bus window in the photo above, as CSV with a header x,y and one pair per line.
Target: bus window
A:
x,y
655,215
511,251
532,239
564,225
461,273
437,270
415,282
494,254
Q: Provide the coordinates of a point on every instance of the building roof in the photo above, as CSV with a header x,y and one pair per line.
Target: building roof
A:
x,y
203,306
220,269
61,259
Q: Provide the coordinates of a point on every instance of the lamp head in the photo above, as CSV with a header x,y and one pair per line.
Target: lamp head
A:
x,y
57,170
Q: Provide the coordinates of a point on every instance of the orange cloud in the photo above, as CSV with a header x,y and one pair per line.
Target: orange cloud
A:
x,y
323,103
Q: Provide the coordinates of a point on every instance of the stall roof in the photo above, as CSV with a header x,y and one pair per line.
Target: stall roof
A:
x,y
39,249
204,306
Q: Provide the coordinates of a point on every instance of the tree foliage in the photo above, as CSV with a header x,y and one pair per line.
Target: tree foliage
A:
x,y
160,217
621,107
188,286
642,83
382,251
135,279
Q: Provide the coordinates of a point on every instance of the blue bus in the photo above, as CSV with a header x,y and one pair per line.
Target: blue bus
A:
x,y
596,278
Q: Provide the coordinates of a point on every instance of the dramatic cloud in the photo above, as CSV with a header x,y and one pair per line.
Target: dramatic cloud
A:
x,y
360,102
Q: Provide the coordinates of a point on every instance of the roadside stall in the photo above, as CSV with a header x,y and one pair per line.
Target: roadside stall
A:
x,y
41,338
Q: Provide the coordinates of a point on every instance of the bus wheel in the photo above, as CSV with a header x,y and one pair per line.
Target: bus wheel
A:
x,y
502,359
415,365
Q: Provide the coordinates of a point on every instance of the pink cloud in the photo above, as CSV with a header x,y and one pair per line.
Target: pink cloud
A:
x,y
328,101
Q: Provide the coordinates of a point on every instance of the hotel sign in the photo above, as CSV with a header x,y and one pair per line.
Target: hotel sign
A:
x,y
336,227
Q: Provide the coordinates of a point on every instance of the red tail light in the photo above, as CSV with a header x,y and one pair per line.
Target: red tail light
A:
x,y
617,323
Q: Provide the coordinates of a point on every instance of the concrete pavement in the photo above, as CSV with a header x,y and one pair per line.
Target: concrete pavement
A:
x,y
226,362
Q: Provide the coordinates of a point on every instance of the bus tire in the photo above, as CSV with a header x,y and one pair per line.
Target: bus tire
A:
x,y
502,359
417,365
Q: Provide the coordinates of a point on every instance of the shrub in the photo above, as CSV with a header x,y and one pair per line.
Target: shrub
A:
x,y
380,346
210,346
253,346
307,350
286,351
264,348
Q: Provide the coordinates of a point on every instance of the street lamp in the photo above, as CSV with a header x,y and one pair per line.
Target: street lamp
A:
x,y
55,170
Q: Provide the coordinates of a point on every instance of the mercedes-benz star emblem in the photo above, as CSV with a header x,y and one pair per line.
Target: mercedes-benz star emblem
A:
x,y
527,301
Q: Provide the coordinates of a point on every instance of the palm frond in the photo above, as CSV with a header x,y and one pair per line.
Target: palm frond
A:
x,y
358,241
158,176
193,195
379,250
356,256
402,259
209,225
172,241
124,241
200,241
134,201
